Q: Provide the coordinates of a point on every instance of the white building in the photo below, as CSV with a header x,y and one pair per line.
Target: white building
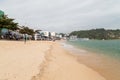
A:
x,y
37,36
45,33
53,34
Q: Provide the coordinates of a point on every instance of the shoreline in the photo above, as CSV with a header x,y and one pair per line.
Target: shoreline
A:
x,y
61,65
107,66
41,60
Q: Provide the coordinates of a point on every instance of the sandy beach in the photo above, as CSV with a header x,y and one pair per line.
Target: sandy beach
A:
x,y
41,60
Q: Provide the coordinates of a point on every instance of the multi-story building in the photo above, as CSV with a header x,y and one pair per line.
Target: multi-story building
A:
x,y
1,14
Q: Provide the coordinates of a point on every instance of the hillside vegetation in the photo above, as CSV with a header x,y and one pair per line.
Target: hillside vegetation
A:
x,y
97,34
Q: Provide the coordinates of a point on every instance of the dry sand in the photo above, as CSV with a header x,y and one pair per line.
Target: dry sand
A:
x,y
38,60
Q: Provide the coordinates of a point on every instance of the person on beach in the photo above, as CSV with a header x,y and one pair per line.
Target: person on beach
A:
x,y
25,38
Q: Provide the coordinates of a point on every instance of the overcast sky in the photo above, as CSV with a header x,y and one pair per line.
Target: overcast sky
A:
x,y
64,15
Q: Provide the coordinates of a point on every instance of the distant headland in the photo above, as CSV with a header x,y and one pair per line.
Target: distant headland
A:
x,y
100,34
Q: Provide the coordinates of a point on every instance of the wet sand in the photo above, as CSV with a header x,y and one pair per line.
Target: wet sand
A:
x,y
41,60
106,66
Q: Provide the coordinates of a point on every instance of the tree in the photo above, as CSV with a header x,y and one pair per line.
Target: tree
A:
x,y
8,23
26,30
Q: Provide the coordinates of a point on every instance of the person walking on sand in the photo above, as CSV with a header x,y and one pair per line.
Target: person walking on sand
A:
x,y
25,38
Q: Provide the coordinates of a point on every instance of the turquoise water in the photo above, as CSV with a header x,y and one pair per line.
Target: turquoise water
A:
x,y
107,47
102,56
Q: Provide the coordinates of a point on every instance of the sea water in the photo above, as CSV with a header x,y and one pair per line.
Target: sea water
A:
x,y
101,55
108,47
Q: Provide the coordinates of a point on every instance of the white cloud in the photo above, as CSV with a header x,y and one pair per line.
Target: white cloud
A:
x,y
64,15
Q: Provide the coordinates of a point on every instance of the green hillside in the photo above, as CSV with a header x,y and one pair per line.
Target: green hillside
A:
x,y
97,34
